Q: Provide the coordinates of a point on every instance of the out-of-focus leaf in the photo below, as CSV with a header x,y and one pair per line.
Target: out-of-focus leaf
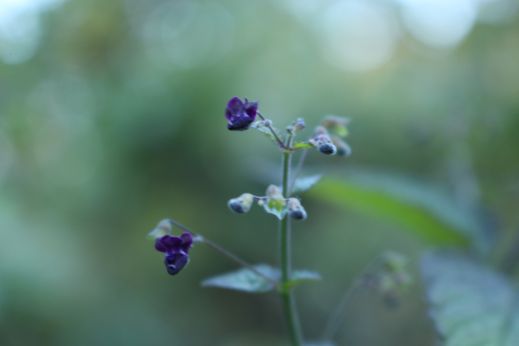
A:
x,y
300,277
302,145
470,304
245,280
305,183
319,343
417,208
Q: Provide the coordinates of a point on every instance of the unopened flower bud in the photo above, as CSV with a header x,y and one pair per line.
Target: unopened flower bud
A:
x,y
295,209
322,141
266,123
343,149
274,191
328,149
241,204
297,125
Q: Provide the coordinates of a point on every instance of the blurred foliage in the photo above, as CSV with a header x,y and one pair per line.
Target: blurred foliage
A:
x,y
412,214
113,120
471,304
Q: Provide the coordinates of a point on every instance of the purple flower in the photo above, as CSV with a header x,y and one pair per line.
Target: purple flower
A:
x,y
175,262
176,251
240,114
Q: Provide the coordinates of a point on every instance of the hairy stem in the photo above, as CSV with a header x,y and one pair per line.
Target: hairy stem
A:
x,y
237,259
285,255
223,251
280,142
298,169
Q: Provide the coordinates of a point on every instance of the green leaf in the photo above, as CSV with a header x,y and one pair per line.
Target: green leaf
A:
x,y
300,277
418,209
302,145
470,304
305,183
245,280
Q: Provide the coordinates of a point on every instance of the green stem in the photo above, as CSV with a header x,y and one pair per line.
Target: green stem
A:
x,y
287,295
333,324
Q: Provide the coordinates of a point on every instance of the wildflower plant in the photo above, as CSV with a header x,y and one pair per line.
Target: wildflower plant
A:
x,y
387,273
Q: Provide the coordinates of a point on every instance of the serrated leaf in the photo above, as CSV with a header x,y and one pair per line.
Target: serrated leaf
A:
x,y
419,209
470,304
245,280
305,183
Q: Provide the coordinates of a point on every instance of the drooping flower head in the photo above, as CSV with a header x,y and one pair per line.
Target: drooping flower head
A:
x,y
176,251
240,114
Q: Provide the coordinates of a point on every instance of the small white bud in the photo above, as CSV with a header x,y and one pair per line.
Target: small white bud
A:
x,y
295,209
241,204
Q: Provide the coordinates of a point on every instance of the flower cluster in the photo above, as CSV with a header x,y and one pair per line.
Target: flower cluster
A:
x,y
241,115
176,251
273,202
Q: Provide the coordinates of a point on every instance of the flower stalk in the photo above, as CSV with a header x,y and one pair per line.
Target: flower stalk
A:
x,y
285,255
242,115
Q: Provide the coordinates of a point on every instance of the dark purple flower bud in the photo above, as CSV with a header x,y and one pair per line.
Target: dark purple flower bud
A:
x,y
239,114
175,261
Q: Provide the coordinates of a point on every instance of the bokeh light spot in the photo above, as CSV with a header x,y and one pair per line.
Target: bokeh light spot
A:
x,y
358,35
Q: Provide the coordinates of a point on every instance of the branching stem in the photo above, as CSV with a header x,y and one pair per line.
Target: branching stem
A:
x,y
274,133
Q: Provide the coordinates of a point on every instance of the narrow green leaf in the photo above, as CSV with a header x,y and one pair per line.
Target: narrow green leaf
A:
x,y
417,209
301,145
245,280
305,183
300,277
470,304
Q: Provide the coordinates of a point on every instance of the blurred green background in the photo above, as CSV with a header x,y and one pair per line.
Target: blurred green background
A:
x,y
111,118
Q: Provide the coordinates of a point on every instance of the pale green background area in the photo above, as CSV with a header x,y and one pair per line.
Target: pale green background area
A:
x,y
112,119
